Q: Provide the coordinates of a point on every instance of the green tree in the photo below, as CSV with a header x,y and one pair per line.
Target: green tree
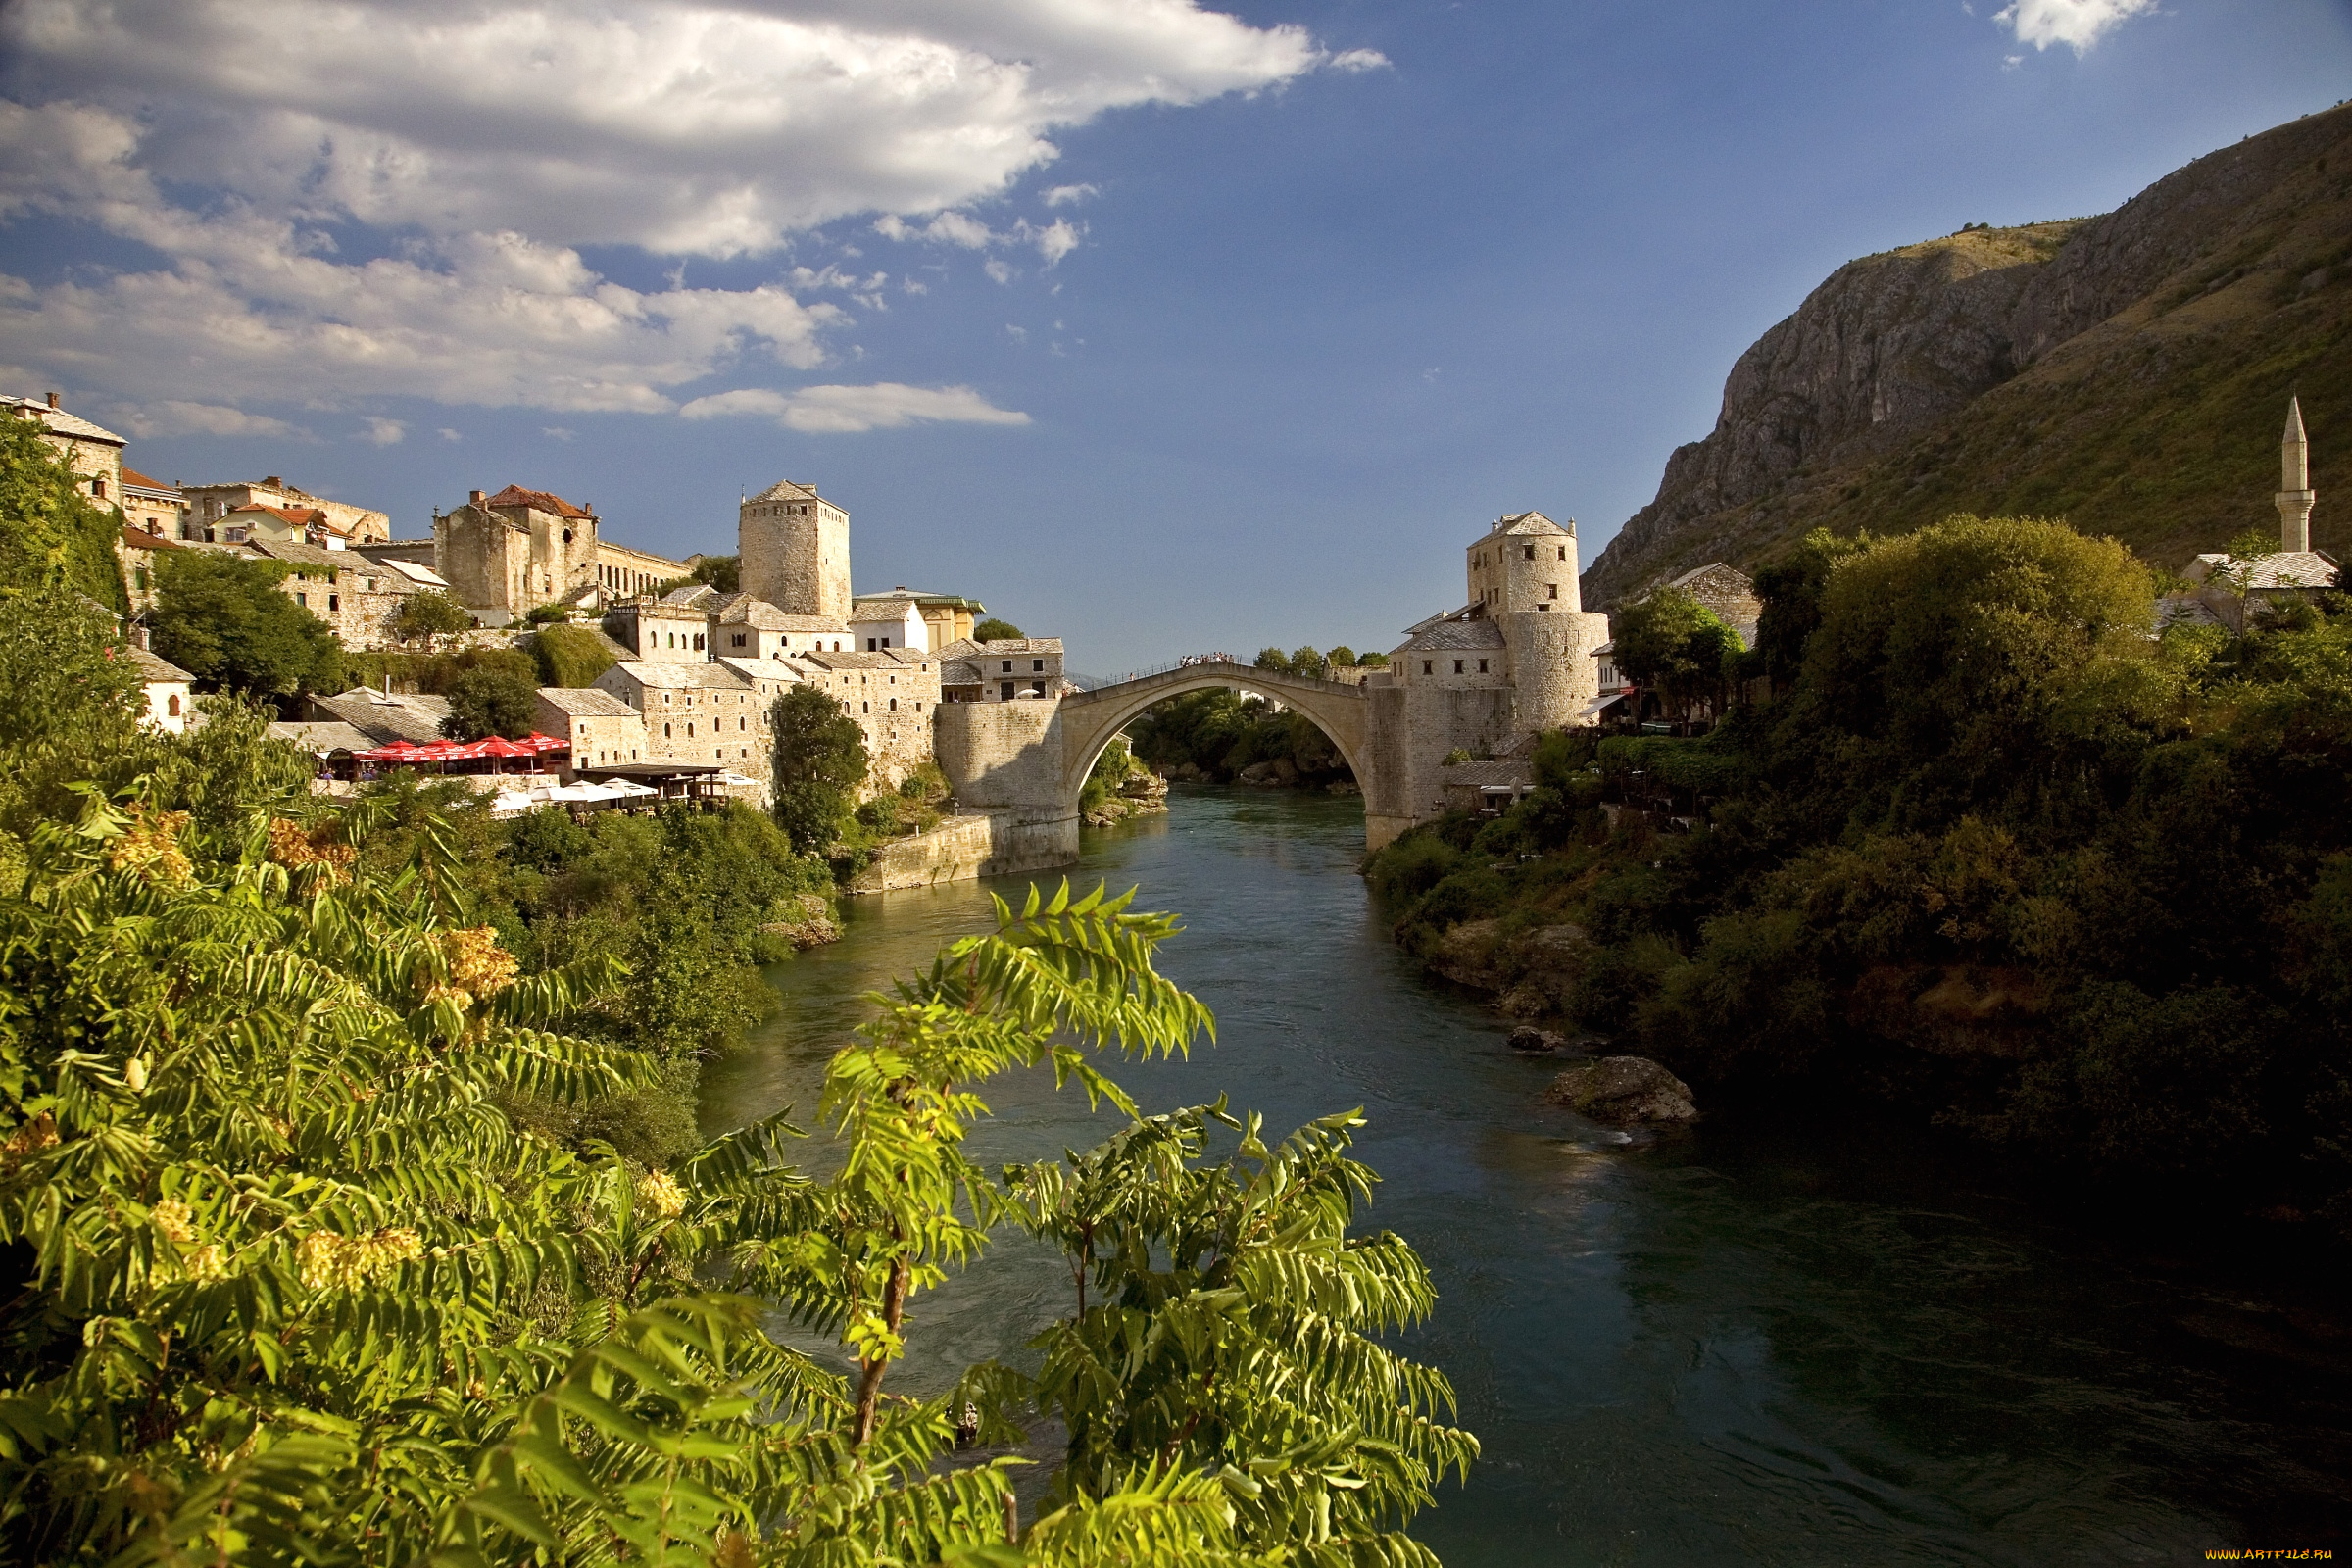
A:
x,y
491,700
423,617
51,535
225,621
1271,658
819,759
992,630
1310,662
1669,643
1372,660
1341,658
722,572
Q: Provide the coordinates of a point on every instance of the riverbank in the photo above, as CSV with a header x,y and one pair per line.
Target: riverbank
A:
x,y
1783,1334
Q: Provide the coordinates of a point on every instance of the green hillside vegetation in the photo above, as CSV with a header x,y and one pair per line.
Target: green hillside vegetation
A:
x,y
1997,856
570,656
353,1209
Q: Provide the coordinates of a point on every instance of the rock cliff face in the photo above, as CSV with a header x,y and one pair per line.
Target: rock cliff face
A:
x,y
2032,369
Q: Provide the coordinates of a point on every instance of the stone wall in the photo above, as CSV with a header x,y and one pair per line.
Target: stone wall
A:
x,y
1411,729
955,850
795,555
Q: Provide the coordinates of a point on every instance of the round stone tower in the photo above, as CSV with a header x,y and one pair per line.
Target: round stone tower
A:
x,y
1523,572
796,551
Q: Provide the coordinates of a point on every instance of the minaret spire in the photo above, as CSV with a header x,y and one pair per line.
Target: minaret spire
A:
x,y
2296,494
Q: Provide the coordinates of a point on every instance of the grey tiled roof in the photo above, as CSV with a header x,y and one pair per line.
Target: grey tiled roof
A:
x,y
1021,645
1458,634
826,659
154,666
694,596
406,716
1529,523
61,422
585,701
958,672
683,677
745,611
320,738
786,490
1513,770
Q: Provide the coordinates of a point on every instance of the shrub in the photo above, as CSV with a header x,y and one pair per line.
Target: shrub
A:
x,y
491,700
570,656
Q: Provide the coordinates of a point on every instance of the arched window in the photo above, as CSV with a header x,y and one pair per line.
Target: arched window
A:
x,y
171,706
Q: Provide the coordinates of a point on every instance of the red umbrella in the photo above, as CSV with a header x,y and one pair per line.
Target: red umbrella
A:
x,y
500,746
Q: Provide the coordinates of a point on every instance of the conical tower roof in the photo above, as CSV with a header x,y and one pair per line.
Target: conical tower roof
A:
x,y
2295,421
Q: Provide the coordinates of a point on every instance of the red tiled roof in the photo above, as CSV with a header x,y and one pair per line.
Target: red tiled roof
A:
x,y
295,517
141,539
516,495
134,476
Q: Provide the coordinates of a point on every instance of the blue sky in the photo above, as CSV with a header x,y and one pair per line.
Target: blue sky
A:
x,y
1160,328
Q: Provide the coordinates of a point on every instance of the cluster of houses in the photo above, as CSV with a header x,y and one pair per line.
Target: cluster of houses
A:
x,y
695,672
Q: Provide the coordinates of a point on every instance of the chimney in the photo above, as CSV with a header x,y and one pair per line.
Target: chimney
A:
x,y
475,495
275,482
53,400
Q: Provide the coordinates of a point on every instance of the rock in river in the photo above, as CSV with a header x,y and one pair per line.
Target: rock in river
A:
x,y
1623,1090
1527,1037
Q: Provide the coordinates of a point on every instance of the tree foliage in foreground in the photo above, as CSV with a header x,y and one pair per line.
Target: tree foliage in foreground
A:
x,y
289,1284
225,621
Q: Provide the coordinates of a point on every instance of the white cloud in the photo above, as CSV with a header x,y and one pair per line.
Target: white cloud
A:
x,y
2078,23
685,127
383,432
447,434
843,410
1070,195
557,432
996,270
1353,60
1019,334
173,417
1053,241
463,152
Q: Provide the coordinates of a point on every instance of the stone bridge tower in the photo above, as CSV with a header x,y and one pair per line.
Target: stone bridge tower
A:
x,y
1523,578
796,551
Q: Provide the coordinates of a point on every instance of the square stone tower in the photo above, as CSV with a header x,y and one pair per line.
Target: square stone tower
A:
x,y
796,551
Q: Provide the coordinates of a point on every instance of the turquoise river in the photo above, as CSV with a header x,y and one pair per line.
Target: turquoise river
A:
x,y
1770,1339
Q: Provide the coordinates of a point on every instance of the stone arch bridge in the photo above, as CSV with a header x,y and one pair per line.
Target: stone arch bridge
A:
x,y
1025,761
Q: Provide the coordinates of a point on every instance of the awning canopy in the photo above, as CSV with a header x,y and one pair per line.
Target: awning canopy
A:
x,y
1593,710
413,753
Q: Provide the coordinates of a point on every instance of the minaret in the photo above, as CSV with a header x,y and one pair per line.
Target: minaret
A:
x,y
2295,494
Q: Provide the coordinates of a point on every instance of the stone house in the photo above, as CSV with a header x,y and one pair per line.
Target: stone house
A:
x,y
277,526
210,504
1005,668
914,618
171,694
694,714
673,629
601,729
2222,588
139,554
91,450
154,506
1726,591
892,695
508,554
743,627
354,594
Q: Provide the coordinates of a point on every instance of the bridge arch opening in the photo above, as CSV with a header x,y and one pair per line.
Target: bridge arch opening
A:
x,y
1121,706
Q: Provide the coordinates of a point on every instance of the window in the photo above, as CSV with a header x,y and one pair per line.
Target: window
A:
x,y
894,705
334,603
869,644
304,600
1458,666
886,642
1425,667
1564,552
1553,590
739,640
171,706
1482,666
98,488
1036,666
1008,667
666,733
698,642
743,724
690,730
138,577
1531,552
1005,690
866,707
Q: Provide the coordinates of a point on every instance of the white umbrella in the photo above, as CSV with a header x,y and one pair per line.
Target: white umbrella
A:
x,y
621,789
509,802
738,782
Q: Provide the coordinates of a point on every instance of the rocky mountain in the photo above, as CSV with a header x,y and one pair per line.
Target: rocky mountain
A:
x,y
2128,373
